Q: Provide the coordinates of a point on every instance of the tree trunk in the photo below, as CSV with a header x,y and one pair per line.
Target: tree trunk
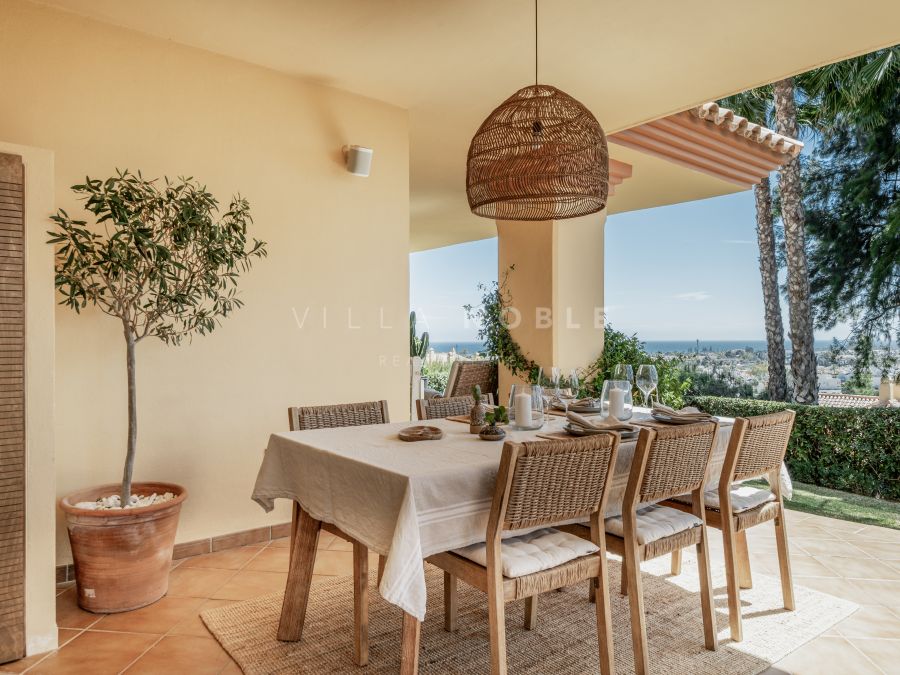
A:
x,y
768,272
803,355
132,418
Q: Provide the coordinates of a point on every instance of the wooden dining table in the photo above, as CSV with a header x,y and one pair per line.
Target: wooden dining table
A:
x,y
404,501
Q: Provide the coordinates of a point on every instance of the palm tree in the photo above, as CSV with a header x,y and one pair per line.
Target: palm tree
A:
x,y
803,354
756,104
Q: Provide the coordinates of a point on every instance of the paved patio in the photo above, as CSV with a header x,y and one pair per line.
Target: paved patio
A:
x,y
844,559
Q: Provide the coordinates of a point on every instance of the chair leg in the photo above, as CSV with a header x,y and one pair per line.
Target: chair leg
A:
x,y
360,604
676,563
731,579
710,639
784,561
531,611
745,578
624,589
409,645
300,571
497,625
450,602
381,562
604,618
636,605
592,590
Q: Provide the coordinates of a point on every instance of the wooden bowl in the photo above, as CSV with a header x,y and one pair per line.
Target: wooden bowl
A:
x,y
420,433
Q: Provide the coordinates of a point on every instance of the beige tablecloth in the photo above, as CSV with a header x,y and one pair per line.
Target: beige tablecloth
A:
x,y
406,500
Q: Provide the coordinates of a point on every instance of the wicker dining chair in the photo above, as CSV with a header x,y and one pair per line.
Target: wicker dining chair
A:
x,y
327,417
756,448
538,484
436,408
466,374
667,461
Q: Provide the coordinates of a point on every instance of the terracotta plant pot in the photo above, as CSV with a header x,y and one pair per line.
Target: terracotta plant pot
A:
x,y
122,556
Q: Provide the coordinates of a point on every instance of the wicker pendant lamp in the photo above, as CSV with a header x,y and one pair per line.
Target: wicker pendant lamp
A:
x,y
541,155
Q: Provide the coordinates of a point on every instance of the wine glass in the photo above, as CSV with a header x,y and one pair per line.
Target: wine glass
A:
x,y
554,380
623,371
646,381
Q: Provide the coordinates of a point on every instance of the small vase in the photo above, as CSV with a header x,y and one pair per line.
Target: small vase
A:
x,y
492,433
476,417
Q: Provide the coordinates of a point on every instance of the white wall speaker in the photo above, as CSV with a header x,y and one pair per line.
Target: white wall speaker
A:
x,y
359,159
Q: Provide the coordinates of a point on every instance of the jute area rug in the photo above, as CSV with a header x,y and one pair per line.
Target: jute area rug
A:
x,y
565,640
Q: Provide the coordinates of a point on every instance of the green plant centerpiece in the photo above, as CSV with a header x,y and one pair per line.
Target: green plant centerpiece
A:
x,y
161,260
491,431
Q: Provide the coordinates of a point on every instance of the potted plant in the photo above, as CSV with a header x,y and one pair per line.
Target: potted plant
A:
x,y
160,260
491,432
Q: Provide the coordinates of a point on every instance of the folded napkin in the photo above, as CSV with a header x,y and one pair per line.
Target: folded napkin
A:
x,y
588,402
689,413
607,424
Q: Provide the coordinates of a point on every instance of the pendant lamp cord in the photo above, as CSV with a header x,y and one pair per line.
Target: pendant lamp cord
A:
x,y
535,42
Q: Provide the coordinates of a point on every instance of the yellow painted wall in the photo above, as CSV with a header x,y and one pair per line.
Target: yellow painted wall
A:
x,y
556,289
101,98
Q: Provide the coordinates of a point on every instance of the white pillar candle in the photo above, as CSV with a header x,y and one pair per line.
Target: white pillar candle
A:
x,y
523,410
617,403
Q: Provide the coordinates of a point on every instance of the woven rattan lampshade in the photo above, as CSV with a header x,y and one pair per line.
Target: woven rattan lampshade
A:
x,y
541,155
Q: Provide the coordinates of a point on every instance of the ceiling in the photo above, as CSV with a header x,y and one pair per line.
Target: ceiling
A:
x,y
451,62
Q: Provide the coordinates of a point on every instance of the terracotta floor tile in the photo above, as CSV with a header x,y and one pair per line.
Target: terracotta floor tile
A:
x,y
250,584
157,618
338,544
827,656
182,654
862,568
193,625
871,621
285,542
326,539
70,615
334,563
63,635
96,653
231,669
229,559
884,653
272,559
196,582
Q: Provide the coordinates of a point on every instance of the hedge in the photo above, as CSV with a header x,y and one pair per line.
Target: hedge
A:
x,y
851,449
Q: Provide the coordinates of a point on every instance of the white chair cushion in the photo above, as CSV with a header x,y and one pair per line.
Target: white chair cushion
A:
x,y
533,552
743,498
654,522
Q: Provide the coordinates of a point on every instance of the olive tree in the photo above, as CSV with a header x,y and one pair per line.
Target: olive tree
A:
x,y
159,258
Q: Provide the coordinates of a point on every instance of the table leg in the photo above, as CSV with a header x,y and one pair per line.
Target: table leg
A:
x,y
409,645
360,604
296,592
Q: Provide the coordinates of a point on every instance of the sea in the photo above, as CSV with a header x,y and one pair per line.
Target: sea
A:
x,y
652,346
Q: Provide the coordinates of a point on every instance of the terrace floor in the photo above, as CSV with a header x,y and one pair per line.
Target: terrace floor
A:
x,y
848,560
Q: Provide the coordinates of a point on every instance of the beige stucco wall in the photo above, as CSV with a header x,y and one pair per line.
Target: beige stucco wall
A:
x,y
556,290
101,98
40,477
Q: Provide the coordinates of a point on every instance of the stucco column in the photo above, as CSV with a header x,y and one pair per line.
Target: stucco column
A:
x,y
556,289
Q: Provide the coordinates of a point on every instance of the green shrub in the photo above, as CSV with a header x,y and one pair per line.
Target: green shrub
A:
x,y
851,449
437,374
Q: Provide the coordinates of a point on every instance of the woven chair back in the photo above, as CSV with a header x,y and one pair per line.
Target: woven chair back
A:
x,y
556,480
342,415
676,460
763,444
436,408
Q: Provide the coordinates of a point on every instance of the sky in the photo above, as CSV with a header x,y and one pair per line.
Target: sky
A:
x,y
681,272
